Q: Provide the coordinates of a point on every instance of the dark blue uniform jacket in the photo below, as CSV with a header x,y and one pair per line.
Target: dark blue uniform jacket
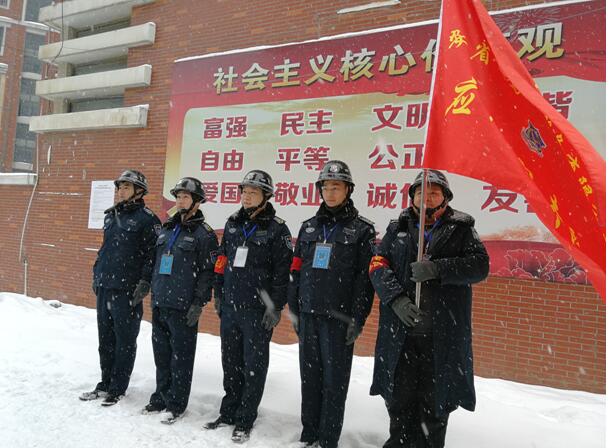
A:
x,y
194,254
128,250
344,289
267,266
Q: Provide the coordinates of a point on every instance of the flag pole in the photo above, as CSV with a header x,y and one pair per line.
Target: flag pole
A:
x,y
422,205
422,225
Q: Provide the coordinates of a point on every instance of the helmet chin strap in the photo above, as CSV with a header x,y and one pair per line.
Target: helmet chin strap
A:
x,y
251,212
431,211
135,196
186,212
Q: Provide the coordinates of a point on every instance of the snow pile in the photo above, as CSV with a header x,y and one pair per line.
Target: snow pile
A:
x,y
49,356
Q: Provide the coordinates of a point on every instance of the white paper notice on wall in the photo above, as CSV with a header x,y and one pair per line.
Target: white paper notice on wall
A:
x,y
102,198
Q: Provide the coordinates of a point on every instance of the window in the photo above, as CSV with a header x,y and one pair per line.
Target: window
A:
x,y
25,147
2,84
104,66
2,34
96,104
5,3
31,63
32,8
102,28
29,103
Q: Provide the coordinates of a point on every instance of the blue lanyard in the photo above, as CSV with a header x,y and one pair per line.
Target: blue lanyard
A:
x,y
173,238
326,237
428,234
247,234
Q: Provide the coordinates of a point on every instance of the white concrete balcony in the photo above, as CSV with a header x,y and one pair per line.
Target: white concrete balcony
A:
x,y
18,178
98,47
118,118
85,13
94,85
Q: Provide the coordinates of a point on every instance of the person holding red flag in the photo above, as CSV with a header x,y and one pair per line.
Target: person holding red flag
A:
x,y
423,356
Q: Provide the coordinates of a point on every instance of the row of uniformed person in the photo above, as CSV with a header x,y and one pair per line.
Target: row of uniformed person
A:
x,y
326,283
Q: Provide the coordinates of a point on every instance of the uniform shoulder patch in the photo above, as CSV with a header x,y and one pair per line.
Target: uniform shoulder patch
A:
x,y
278,220
149,211
366,220
207,227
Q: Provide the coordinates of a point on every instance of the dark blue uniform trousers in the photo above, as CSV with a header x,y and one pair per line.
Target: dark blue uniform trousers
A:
x,y
245,360
118,325
174,345
326,364
413,423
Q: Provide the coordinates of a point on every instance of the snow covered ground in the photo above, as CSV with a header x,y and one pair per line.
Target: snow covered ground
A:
x,y
48,356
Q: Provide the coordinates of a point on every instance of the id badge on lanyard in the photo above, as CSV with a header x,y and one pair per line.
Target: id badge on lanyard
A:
x,y
165,267
167,259
241,254
321,256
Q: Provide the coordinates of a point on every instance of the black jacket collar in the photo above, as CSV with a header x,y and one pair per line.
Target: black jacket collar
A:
x,y
450,215
345,214
126,207
191,224
262,220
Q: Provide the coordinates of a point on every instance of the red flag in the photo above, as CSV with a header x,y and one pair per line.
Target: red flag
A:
x,y
489,121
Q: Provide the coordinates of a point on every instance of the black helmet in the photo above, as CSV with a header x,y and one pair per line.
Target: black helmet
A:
x,y
258,179
335,170
434,177
133,177
193,186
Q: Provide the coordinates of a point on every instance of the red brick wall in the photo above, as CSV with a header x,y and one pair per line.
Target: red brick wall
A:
x,y
514,321
540,333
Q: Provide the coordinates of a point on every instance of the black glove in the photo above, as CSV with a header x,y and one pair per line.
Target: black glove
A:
x,y
352,333
141,291
192,315
217,305
406,311
423,270
271,318
94,287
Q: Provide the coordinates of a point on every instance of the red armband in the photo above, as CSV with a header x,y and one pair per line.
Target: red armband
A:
x,y
296,264
221,263
378,262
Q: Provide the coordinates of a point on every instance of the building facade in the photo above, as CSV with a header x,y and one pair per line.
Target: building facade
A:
x,y
20,37
108,109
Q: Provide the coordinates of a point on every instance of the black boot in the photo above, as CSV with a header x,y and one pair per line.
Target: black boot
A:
x,y
152,409
93,395
111,400
220,421
241,434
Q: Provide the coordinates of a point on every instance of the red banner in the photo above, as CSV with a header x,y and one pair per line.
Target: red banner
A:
x,y
363,98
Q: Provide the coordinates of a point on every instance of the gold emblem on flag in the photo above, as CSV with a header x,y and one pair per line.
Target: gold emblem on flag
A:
x,y
457,38
555,209
532,137
464,97
482,53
